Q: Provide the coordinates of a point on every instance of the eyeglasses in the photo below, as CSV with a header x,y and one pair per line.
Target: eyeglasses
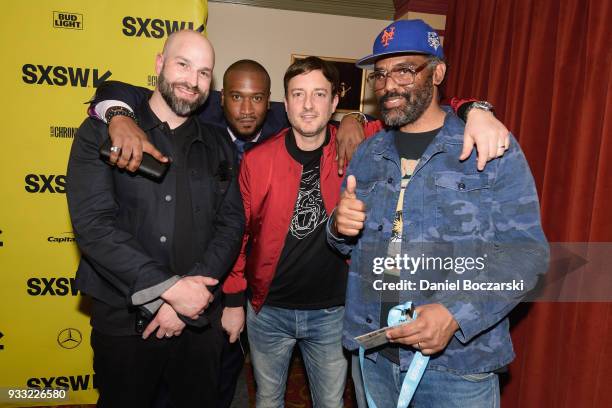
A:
x,y
402,75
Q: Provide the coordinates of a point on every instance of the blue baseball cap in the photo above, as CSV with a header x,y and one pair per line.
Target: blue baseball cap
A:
x,y
404,36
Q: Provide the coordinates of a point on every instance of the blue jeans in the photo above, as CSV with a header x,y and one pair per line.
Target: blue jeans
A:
x,y
273,333
439,389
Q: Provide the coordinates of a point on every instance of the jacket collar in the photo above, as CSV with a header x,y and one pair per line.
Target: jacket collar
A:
x,y
147,120
328,158
329,150
146,117
451,133
329,153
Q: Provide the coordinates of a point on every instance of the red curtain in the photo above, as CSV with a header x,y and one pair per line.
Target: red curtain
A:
x,y
547,67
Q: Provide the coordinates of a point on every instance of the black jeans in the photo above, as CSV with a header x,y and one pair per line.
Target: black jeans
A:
x,y
232,361
129,370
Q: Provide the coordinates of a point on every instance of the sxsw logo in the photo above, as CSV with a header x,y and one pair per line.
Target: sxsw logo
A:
x,y
156,28
52,287
63,19
42,183
61,75
72,382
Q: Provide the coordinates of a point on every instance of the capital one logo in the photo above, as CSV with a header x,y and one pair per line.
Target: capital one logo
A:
x,y
62,238
69,338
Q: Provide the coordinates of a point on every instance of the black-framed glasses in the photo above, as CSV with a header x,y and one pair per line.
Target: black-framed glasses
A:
x,y
402,74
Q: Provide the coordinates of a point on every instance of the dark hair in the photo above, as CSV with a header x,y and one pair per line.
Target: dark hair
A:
x,y
435,61
308,64
246,65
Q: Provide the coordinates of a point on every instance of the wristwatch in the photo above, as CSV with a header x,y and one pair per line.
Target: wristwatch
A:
x,y
482,105
119,111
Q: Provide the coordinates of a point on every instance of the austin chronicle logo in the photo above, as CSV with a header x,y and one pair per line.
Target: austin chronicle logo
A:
x,y
69,338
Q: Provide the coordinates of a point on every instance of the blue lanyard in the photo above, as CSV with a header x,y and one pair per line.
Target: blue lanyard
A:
x,y
417,367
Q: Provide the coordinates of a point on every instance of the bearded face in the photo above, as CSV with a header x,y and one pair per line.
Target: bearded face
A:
x,y
415,102
182,98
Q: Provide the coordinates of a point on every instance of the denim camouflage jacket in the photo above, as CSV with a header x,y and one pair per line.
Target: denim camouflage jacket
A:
x,y
451,213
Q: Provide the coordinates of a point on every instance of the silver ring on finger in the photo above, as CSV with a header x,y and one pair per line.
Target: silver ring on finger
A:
x,y
115,149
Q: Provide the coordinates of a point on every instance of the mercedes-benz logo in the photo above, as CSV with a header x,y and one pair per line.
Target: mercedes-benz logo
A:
x,y
69,338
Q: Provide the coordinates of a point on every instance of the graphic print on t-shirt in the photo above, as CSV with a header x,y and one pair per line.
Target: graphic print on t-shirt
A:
x,y
408,167
410,148
309,210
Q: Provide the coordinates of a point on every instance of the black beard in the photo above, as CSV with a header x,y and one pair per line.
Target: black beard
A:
x,y
179,106
417,101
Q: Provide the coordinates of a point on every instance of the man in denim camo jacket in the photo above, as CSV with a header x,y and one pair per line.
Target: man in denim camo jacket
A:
x,y
464,246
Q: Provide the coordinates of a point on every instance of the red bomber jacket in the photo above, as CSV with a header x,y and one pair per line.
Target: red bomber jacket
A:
x,y
269,182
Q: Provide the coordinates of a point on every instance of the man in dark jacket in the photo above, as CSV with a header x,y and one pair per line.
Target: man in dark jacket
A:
x,y
244,109
154,249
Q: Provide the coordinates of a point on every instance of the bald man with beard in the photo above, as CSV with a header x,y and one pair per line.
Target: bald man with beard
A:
x,y
154,250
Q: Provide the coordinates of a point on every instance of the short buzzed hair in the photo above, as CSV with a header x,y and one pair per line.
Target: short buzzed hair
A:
x,y
246,65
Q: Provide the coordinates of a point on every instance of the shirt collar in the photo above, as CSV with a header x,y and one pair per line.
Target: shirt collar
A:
x,y
233,137
147,119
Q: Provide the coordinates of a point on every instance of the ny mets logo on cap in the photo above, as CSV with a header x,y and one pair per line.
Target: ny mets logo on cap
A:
x,y
387,36
404,37
433,40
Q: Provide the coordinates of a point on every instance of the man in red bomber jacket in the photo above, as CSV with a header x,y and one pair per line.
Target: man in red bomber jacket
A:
x,y
290,184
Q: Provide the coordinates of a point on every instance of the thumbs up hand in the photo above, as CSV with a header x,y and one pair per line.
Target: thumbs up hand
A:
x,y
350,213
351,186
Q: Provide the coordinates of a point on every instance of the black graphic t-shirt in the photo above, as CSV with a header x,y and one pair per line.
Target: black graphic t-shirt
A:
x,y
410,147
309,275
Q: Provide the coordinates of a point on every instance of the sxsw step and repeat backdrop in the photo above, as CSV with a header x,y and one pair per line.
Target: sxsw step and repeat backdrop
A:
x,y
54,55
